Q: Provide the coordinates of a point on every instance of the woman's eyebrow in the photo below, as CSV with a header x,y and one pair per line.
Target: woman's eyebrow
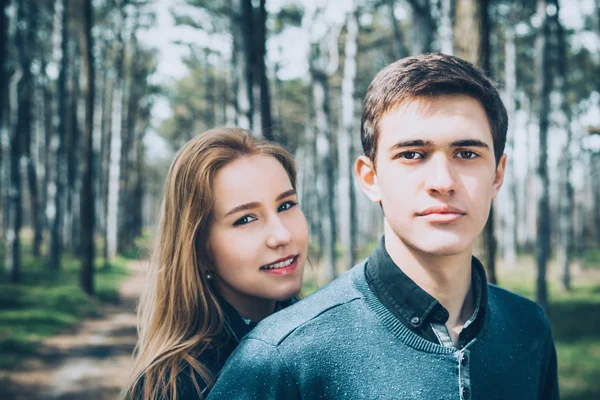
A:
x,y
250,206
285,194
243,207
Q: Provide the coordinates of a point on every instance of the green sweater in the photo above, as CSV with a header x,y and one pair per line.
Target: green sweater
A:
x,y
342,343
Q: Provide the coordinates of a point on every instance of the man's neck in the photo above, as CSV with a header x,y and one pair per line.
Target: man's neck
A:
x,y
445,278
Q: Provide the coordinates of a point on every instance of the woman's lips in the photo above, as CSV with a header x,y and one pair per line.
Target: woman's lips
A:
x,y
282,270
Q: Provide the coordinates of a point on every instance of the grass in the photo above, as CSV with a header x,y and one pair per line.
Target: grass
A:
x,y
47,302
574,315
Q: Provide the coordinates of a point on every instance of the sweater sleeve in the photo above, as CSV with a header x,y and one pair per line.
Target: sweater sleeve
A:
x,y
255,370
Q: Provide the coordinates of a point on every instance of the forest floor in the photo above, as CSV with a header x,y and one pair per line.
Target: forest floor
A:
x,y
91,361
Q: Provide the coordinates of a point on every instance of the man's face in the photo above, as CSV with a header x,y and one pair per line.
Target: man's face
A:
x,y
435,173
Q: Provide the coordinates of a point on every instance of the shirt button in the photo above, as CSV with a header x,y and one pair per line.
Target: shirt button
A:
x,y
464,360
439,315
466,393
415,320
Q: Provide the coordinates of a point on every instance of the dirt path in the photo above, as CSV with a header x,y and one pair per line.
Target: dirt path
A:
x,y
90,362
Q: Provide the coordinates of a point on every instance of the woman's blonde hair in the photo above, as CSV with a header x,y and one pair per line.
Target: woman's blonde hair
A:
x,y
179,316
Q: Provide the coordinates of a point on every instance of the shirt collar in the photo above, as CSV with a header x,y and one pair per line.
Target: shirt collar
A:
x,y
415,305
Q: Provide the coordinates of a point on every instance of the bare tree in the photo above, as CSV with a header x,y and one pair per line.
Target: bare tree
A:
x,y
542,110
266,120
424,26
567,201
57,183
471,42
4,123
241,29
88,212
399,47
323,62
114,167
509,203
347,196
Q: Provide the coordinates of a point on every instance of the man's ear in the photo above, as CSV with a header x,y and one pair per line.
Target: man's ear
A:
x,y
499,178
367,178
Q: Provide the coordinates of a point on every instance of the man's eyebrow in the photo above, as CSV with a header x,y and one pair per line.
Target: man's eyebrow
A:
x,y
412,143
429,143
470,143
250,206
285,194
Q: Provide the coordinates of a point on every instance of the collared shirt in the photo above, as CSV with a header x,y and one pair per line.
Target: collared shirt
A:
x,y
417,309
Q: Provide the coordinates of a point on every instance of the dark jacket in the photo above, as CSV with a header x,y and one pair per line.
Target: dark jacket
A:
x,y
215,357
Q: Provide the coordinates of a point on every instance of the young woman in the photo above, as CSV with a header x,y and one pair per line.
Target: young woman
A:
x,y
230,251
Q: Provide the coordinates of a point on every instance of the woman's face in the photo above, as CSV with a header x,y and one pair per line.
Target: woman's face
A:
x,y
258,235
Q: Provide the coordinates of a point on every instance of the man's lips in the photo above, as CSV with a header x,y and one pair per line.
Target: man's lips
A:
x,y
441,210
441,214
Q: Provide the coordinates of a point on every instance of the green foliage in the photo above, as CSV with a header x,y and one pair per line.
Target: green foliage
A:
x,y
591,258
46,302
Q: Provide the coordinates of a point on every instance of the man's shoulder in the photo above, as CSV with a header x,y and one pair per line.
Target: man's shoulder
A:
x,y
276,328
526,313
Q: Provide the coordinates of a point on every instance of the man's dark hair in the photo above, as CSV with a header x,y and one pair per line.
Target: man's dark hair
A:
x,y
427,75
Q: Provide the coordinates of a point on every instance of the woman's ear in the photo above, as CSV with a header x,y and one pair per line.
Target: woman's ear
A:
x,y
364,168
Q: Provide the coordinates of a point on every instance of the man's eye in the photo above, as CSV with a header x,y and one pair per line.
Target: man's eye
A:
x,y
244,220
286,206
467,154
410,155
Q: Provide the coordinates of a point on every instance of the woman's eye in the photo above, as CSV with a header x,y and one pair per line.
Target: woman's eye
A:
x,y
286,206
410,155
244,220
467,154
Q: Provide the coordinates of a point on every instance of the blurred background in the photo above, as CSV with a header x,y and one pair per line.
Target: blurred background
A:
x,y
96,96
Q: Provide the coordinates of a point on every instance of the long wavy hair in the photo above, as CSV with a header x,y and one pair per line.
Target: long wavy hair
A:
x,y
179,316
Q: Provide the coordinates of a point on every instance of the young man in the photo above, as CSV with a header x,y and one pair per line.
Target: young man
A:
x,y
417,319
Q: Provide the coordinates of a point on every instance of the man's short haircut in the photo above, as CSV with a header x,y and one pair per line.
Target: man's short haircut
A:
x,y
428,75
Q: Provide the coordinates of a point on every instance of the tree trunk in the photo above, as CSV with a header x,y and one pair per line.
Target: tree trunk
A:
x,y
4,138
542,90
509,199
398,44
567,202
266,120
73,145
88,177
105,143
424,26
325,178
28,132
57,185
471,32
241,31
445,32
25,42
125,212
19,141
4,123
471,42
347,199
115,144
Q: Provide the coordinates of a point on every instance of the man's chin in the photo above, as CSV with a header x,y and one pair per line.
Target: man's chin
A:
x,y
441,248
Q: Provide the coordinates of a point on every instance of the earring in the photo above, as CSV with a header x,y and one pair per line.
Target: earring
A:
x,y
208,275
